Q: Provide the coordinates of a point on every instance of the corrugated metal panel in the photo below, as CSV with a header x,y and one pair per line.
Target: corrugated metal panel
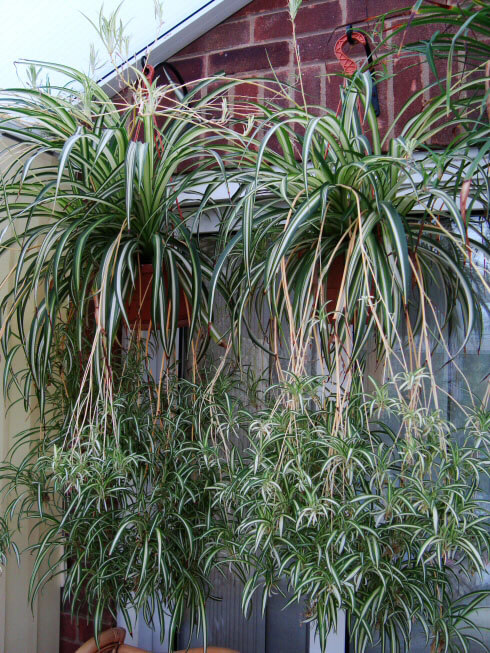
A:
x,y
227,625
284,630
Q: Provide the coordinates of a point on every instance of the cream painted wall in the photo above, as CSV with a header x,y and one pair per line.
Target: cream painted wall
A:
x,y
22,630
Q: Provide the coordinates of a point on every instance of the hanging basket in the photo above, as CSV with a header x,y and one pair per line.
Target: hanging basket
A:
x,y
139,307
334,284
334,280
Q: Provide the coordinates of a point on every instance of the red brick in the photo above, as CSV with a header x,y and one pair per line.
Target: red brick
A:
x,y
445,136
258,6
244,94
316,48
77,630
247,89
272,26
81,607
251,59
411,34
68,647
406,82
108,620
446,133
312,84
333,82
322,17
68,628
441,74
191,69
229,34
278,92
85,629
277,88
357,11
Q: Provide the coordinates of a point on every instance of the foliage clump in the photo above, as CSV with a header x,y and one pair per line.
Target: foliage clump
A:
x,y
381,521
140,482
120,482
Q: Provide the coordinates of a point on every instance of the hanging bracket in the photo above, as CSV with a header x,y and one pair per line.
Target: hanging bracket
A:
x,y
349,66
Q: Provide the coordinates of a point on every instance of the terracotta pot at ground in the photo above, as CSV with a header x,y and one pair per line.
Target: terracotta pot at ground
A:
x,y
139,307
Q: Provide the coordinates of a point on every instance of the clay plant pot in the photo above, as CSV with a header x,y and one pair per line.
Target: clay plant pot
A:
x,y
334,280
333,285
139,307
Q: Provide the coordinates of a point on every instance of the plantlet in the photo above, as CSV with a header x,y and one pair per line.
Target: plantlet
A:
x,y
121,481
380,521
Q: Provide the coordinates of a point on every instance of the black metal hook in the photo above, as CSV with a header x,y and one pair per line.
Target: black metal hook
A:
x,y
369,56
166,67
348,33
375,96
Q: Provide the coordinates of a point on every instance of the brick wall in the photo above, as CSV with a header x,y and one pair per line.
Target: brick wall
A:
x,y
74,631
258,38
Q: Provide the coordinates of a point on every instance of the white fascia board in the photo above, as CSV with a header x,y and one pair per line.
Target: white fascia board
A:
x,y
197,18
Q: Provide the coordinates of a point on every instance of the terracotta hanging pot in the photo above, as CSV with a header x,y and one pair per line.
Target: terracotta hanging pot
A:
x,y
332,283
334,280
139,308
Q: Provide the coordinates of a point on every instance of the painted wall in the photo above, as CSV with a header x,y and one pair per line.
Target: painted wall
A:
x,y
22,630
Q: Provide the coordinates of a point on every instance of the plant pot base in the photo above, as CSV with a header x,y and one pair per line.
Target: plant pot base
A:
x,y
138,308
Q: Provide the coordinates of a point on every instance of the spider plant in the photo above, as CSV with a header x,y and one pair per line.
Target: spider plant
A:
x,y
5,543
107,202
459,40
457,54
382,522
123,496
330,187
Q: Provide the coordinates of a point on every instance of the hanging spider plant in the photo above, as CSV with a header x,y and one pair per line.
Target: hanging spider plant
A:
x,y
458,55
328,191
107,203
380,521
125,497
118,479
